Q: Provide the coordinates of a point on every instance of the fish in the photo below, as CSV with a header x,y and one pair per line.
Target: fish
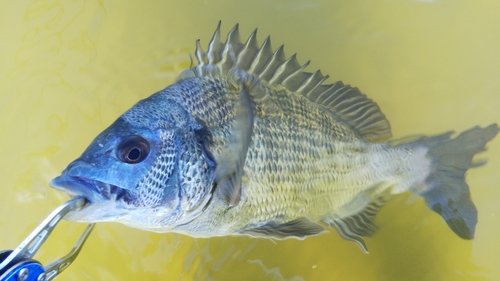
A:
x,y
246,142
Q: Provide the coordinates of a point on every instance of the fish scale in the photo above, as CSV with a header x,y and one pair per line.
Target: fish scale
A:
x,y
314,182
258,146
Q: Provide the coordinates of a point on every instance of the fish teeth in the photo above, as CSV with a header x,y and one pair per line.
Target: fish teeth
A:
x,y
118,192
103,188
108,189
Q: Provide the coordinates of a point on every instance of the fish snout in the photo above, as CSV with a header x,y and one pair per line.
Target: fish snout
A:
x,y
77,187
82,179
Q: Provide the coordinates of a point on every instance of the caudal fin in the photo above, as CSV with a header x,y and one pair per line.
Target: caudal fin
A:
x,y
448,193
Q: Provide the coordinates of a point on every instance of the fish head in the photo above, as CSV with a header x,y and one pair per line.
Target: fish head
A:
x,y
130,171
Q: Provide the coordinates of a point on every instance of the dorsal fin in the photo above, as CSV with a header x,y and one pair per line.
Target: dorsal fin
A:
x,y
344,102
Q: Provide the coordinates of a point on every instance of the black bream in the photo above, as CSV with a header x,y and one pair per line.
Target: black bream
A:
x,y
246,142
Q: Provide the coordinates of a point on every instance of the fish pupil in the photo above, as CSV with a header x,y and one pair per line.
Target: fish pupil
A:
x,y
134,154
133,150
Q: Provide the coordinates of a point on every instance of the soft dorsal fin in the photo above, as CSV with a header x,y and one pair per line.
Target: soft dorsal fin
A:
x,y
344,102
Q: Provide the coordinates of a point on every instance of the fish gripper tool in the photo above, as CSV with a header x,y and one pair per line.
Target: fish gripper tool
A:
x,y
19,265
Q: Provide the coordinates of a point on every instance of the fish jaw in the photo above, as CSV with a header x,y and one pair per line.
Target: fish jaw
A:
x,y
94,191
110,203
105,201
77,186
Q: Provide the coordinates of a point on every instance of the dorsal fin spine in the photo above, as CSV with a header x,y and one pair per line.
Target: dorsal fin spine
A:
x,y
233,39
245,57
199,53
229,49
215,47
297,79
277,59
284,70
227,60
311,82
258,63
312,92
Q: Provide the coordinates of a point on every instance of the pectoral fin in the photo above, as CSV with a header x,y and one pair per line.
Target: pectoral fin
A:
x,y
231,161
298,228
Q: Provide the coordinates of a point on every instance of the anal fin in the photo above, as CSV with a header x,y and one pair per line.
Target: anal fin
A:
x,y
299,228
360,224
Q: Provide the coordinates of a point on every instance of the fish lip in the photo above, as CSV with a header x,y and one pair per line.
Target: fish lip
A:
x,y
93,191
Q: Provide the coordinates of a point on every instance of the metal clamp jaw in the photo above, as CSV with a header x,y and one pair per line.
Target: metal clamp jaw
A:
x,y
18,265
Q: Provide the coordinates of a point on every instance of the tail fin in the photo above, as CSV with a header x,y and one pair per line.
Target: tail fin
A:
x,y
448,193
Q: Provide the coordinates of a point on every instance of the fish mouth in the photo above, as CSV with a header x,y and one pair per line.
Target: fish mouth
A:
x,y
93,191
105,202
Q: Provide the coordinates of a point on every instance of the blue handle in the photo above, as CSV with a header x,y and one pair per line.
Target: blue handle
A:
x,y
26,270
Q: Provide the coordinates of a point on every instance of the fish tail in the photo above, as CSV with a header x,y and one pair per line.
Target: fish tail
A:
x,y
447,193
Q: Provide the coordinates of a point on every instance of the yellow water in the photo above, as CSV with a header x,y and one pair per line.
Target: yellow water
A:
x,y
69,68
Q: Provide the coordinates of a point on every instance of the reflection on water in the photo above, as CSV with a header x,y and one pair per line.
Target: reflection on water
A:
x,y
68,69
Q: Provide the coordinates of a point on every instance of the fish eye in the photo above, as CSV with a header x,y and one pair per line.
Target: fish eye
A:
x,y
133,150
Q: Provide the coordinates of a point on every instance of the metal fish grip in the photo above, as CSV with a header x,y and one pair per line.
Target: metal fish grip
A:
x,y
19,265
